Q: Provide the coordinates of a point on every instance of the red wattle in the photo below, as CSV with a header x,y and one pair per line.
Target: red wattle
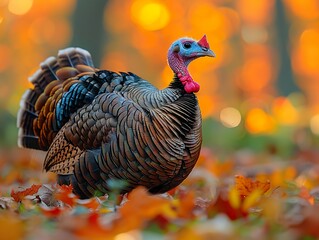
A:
x,y
191,87
189,84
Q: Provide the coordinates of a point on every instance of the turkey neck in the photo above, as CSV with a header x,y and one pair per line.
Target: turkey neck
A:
x,y
177,85
179,66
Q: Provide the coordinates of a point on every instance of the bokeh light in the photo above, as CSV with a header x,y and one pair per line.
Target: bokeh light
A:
x,y
258,121
284,111
307,52
251,79
252,34
256,12
150,15
230,117
304,9
19,7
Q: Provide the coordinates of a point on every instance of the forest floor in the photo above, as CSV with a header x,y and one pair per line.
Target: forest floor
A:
x,y
246,196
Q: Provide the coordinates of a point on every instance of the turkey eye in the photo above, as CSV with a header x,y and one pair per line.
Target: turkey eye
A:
x,y
187,45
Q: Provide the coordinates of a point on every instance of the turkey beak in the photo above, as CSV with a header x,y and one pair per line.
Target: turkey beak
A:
x,y
207,52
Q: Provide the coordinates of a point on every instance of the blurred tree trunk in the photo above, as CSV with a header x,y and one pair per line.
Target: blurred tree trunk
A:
x,y
285,83
88,27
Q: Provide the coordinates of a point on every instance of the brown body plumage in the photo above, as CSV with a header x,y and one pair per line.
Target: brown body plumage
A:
x,y
100,125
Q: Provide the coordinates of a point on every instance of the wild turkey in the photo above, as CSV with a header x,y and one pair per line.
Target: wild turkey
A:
x,y
98,125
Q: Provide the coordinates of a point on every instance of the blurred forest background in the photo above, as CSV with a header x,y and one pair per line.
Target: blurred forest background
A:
x,y
259,93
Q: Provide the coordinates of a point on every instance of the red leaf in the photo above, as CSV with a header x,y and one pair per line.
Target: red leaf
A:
x,y
93,218
162,221
51,212
222,205
64,194
19,195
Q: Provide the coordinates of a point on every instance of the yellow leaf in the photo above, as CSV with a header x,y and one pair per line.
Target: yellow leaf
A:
x,y
252,199
234,198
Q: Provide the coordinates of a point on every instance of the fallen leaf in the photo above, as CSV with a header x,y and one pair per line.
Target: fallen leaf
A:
x,y
252,199
225,205
305,194
246,186
46,196
141,205
185,204
20,195
64,193
91,203
234,198
6,202
51,212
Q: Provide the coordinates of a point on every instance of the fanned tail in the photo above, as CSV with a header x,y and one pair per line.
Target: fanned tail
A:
x,y
36,117
26,116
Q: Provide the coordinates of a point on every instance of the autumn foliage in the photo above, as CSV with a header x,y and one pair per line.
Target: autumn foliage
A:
x,y
208,205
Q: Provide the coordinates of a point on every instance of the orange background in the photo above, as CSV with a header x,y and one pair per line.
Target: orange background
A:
x,y
239,88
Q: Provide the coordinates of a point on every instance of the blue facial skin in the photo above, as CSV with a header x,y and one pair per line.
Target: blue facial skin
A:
x,y
189,49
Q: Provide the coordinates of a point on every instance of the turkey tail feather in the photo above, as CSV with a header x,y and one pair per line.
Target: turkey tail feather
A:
x,y
25,119
73,57
36,117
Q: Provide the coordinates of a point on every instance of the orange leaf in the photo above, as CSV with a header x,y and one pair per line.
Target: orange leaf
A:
x,y
19,195
140,208
148,205
246,186
91,203
186,204
305,194
64,194
66,188
93,229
